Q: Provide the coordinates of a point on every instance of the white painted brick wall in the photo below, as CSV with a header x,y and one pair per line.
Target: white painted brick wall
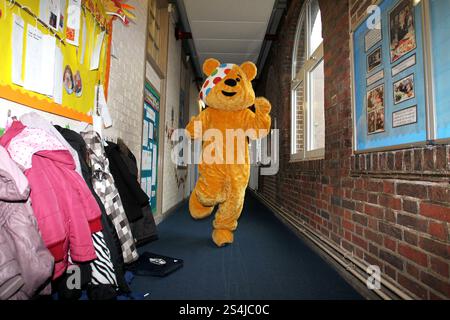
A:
x,y
172,194
126,84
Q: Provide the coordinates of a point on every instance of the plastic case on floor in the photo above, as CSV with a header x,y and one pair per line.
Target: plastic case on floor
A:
x,y
151,264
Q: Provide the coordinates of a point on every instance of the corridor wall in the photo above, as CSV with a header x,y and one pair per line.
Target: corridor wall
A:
x,y
178,93
126,86
389,209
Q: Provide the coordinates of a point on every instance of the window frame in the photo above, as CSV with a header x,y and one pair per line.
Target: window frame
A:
x,y
157,31
303,76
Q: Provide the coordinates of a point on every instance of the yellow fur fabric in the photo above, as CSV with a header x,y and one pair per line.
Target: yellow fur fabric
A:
x,y
224,184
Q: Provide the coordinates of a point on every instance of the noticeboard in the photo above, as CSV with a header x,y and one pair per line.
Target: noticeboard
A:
x,y
389,78
150,144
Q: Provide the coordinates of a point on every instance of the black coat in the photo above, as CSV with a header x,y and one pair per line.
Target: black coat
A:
x,y
133,197
77,142
144,230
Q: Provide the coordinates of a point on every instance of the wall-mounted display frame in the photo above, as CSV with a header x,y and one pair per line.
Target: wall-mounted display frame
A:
x,y
413,70
150,144
406,72
37,47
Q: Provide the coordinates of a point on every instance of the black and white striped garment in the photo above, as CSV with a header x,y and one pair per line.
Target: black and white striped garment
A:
x,y
104,187
102,267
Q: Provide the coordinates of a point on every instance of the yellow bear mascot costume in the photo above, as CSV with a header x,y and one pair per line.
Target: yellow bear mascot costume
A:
x,y
228,93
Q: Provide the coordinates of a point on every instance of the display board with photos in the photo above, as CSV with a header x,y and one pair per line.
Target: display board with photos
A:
x,y
54,53
150,144
389,79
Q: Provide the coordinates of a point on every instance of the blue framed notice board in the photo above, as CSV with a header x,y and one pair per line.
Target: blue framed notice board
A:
x,y
150,144
389,79
395,104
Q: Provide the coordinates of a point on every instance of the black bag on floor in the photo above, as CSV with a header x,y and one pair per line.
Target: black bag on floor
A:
x,y
151,264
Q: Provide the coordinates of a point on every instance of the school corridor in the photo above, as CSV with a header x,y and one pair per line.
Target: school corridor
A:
x,y
224,150
267,262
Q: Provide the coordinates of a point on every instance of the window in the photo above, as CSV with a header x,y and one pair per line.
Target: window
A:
x,y
154,31
157,32
307,109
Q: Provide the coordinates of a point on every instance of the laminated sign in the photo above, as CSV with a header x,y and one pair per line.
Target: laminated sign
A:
x,y
73,22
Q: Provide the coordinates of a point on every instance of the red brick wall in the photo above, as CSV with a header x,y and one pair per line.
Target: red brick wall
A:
x,y
391,209
358,10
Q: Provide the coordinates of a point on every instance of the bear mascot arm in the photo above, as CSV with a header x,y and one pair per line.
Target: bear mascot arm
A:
x,y
197,125
260,120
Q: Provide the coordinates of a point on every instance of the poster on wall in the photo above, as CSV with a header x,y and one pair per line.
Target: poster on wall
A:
x,y
404,117
375,77
402,30
372,37
17,49
404,89
374,60
50,13
150,143
405,64
73,22
375,110
389,79
39,61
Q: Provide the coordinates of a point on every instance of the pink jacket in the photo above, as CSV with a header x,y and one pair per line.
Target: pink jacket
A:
x,y
25,263
65,209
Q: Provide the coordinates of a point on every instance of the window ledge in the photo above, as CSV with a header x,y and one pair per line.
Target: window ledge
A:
x,y
294,160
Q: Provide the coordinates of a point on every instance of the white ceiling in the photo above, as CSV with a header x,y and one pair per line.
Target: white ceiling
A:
x,y
231,31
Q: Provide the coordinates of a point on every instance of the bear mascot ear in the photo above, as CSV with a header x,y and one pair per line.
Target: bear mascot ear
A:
x,y
209,66
250,70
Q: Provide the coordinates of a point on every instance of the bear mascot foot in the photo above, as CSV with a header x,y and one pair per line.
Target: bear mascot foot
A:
x,y
197,210
222,237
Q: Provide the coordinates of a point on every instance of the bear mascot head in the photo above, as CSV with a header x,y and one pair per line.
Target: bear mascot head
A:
x,y
228,86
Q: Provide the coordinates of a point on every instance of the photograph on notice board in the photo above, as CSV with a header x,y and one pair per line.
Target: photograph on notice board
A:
x,y
371,120
375,109
49,12
402,30
62,14
68,80
78,87
374,59
53,20
375,98
380,120
404,89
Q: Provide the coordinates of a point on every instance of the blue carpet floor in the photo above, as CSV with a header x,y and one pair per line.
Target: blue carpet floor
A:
x,y
266,261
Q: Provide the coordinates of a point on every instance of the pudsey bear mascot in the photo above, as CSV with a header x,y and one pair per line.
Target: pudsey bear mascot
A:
x,y
224,127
